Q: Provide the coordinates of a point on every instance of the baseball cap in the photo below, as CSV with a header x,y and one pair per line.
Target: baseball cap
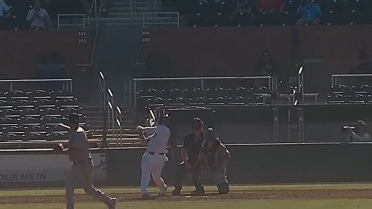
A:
x,y
73,118
197,124
361,123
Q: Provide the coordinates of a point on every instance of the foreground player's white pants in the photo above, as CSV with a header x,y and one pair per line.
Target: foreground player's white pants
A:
x,y
152,165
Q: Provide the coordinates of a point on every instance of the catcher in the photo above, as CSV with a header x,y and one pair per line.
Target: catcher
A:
x,y
82,164
213,159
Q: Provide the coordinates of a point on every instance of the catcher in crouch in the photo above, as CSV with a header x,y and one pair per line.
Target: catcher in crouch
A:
x,y
82,164
213,158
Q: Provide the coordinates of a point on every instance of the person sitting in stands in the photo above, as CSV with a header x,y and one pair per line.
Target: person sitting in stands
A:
x,y
4,9
38,17
270,6
244,6
309,13
4,15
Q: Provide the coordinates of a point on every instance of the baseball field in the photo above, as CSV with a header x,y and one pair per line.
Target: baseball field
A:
x,y
314,196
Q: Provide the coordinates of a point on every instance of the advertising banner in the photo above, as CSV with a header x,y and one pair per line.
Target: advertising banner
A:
x,y
44,167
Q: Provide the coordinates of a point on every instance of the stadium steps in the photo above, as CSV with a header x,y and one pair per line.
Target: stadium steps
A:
x,y
94,118
120,12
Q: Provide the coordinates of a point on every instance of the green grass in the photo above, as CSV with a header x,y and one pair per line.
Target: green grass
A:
x,y
240,204
234,188
202,204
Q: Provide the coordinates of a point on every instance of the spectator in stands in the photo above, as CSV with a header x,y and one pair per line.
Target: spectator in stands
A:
x,y
4,15
243,13
244,6
364,63
4,9
358,133
309,13
266,65
269,11
38,18
270,6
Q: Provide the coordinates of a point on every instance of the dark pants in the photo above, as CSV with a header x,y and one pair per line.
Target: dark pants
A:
x,y
180,175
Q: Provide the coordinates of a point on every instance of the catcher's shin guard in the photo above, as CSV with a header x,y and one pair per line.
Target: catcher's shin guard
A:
x,y
223,188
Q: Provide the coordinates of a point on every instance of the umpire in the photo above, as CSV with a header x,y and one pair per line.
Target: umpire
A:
x,y
192,143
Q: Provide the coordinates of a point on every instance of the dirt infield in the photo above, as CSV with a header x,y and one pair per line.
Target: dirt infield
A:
x,y
247,195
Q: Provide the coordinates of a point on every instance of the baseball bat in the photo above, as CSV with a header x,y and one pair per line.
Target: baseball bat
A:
x,y
152,114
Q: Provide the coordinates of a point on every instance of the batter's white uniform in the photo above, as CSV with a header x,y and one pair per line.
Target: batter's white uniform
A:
x,y
154,158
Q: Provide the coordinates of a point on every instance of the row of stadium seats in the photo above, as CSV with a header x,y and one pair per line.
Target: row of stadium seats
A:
x,y
198,96
44,134
35,119
220,91
202,100
39,103
350,94
36,94
38,111
351,89
349,98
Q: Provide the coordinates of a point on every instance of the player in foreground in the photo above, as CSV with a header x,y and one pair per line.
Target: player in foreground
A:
x,y
82,165
154,158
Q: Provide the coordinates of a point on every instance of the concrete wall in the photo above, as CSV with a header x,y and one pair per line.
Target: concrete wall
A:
x,y
247,125
251,164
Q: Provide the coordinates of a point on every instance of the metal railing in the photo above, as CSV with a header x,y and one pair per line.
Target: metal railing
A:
x,y
157,18
66,83
300,87
112,115
336,78
72,18
83,18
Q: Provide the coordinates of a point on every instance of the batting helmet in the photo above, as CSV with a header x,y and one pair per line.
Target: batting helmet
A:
x,y
163,119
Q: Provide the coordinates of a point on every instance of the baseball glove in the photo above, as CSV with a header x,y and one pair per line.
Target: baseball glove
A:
x,y
58,148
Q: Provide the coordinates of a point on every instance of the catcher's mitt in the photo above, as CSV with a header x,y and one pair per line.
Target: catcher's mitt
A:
x,y
58,148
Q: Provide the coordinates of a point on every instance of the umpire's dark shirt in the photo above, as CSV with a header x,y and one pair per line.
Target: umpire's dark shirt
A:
x,y
192,145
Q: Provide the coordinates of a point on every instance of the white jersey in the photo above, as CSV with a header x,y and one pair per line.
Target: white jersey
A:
x,y
159,136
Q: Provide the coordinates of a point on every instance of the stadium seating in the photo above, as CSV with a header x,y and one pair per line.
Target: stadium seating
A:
x,y
220,96
35,115
214,13
350,94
